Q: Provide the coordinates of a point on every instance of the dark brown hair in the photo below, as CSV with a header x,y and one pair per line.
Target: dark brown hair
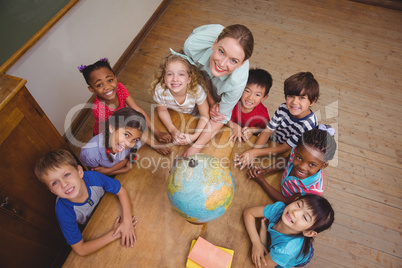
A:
x,y
125,117
242,34
302,83
324,217
102,63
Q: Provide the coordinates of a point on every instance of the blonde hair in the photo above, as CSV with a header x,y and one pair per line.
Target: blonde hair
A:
x,y
193,72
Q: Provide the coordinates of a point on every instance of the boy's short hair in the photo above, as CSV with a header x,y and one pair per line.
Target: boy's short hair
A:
x,y
52,160
261,78
303,81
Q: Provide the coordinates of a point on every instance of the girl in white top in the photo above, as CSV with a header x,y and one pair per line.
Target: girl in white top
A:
x,y
179,86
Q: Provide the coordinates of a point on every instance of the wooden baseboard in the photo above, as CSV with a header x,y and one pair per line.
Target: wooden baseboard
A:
x,y
391,4
83,114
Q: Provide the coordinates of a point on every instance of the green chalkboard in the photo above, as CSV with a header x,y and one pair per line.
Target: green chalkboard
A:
x,y
22,19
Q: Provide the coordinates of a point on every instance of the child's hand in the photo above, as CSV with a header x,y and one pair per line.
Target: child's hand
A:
x,y
116,225
125,230
247,133
257,254
161,148
256,173
215,114
163,136
245,159
179,137
189,138
100,169
237,133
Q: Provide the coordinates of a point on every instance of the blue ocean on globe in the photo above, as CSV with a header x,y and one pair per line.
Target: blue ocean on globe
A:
x,y
200,188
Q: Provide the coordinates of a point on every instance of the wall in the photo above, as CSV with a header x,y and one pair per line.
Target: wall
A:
x,y
91,30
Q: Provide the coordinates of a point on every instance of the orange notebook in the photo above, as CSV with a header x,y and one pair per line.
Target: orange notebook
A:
x,y
204,254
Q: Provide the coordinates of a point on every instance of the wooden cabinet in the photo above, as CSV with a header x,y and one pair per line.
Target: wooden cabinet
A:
x,y
29,232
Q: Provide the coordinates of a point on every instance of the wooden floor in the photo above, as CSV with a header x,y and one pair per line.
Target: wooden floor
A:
x,y
355,52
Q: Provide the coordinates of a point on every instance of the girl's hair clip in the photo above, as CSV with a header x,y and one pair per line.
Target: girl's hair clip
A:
x,y
183,56
330,130
81,68
103,59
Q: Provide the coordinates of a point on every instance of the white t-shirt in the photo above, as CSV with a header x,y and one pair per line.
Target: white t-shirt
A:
x,y
164,97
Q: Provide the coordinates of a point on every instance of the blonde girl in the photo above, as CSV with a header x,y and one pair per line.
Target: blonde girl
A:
x,y
179,86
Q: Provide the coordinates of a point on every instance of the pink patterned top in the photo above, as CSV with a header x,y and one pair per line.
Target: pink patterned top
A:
x,y
102,112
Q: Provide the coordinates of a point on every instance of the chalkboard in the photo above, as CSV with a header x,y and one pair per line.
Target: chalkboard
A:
x,y
20,20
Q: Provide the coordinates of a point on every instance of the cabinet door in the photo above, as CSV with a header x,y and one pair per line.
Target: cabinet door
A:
x,y
30,235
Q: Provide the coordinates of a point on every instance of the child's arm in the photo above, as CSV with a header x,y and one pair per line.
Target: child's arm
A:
x,y
247,157
126,227
121,167
209,131
203,109
271,191
157,146
83,248
258,248
164,116
249,131
161,136
214,110
264,232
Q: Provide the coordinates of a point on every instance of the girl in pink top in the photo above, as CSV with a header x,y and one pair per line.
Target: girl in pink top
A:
x,y
112,96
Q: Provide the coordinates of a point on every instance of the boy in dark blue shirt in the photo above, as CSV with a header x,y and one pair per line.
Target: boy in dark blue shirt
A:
x,y
78,193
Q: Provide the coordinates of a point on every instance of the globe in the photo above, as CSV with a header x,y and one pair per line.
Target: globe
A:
x,y
200,189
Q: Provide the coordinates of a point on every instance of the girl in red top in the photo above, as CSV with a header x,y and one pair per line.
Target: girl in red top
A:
x,y
112,96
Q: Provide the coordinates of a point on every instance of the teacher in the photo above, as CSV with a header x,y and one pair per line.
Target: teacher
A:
x,y
221,54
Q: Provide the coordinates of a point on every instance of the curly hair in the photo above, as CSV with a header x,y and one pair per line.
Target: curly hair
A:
x,y
88,69
193,72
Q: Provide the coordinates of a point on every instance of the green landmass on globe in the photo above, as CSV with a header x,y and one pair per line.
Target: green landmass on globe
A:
x,y
200,188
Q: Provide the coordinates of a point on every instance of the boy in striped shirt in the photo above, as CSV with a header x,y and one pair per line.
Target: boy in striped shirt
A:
x,y
290,121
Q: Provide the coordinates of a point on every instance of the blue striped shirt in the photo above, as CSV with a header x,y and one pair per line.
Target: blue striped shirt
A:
x,y
287,128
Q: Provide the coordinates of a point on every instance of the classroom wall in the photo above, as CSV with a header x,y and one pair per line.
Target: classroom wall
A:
x,y
91,30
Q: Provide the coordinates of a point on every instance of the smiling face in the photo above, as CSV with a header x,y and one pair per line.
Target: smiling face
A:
x,y
66,182
227,55
253,94
123,138
103,83
297,218
177,77
307,162
299,106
